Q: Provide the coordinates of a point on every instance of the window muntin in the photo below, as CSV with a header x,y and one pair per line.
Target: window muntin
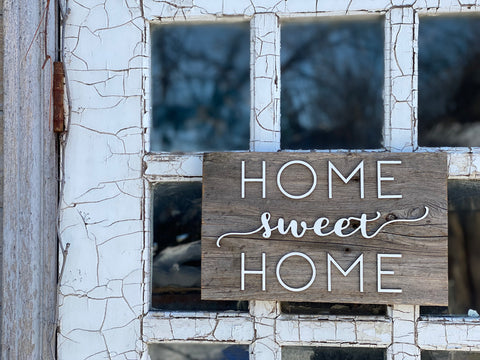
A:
x,y
332,84
200,87
449,81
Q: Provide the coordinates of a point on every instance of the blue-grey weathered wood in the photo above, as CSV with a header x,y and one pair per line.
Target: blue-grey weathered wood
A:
x,y
30,185
1,151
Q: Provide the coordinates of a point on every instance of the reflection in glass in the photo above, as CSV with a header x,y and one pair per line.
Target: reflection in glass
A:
x,y
449,81
178,351
331,353
332,83
463,249
200,87
309,308
450,355
177,251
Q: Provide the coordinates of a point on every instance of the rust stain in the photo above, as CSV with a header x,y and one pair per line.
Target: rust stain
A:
x,y
58,105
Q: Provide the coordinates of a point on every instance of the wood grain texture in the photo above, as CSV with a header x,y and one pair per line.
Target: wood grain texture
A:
x,y
421,272
29,270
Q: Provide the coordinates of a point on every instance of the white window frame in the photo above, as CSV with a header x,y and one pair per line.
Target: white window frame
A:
x,y
396,332
403,333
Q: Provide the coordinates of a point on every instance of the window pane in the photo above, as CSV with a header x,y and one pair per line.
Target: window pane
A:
x,y
332,83
200,87
449,81
309,308
463,249
177,250
450,355
198,352
331,353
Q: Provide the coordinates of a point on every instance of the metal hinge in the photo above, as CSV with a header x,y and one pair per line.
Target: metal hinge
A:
x,y
58,98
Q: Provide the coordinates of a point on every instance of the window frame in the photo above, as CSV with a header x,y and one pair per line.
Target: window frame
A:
x,y
402,332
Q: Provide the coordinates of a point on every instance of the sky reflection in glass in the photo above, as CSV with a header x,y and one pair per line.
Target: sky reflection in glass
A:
x,y
200,87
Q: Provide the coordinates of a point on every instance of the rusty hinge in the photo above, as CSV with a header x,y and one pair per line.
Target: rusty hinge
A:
x,y
58,105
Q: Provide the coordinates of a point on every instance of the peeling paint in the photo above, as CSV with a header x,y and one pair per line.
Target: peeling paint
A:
x,y
107,171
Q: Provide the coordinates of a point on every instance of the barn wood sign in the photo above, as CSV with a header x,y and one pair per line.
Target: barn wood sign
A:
x,y
322,227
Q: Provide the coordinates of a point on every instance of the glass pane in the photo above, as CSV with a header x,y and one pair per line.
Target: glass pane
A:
x,y
449,81
200,87
450,355
332,83
198,352
331,353
177,251
309,308
463,249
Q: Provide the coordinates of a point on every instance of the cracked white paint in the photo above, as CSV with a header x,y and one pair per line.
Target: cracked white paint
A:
x,y
101,294
461,165
265,78
104,215
332,330
404,346
237,328
449,334
161,167
401,84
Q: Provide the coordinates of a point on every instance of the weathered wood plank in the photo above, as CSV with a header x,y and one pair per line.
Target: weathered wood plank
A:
x,y
408,236
1,147
29,269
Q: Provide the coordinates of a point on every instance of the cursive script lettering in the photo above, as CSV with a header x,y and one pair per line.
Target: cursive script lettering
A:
x,y
298,229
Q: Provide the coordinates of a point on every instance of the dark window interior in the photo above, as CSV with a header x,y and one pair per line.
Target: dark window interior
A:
x,y
200,87
463,249
332,84
331,353
177,251
185,351
309,308
450,355
449,81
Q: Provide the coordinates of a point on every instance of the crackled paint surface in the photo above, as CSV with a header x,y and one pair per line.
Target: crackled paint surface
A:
x,y
104,208
101,294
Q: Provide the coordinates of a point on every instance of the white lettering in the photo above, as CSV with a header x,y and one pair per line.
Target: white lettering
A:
x,y
381,272
253,272
321,223
312,279
358,169
309,167
262,180
380,178
331,260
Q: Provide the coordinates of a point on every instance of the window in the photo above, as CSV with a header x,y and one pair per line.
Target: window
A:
x,y
449,355
332,84
125,150
336,88
329,353
200,87
464,283
449,81
198,352
177,251
449,50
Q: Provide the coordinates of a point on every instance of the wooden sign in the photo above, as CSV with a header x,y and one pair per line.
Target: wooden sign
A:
x,y
322,227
